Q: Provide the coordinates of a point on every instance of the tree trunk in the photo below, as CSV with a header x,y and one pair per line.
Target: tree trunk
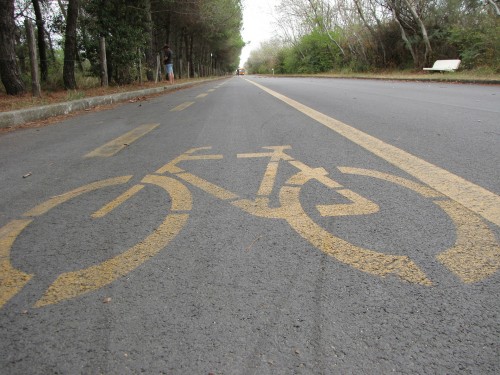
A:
x,y
403,34
70,46
150,56
423,30
42,46
35,79
9,68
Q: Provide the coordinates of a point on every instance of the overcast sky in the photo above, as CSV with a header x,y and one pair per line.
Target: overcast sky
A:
x,y
257,24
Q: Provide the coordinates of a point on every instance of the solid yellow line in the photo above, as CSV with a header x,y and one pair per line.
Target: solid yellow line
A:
x,y
112,147
181,107
470,195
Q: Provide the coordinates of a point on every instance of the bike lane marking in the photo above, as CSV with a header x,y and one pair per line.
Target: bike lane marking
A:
x,y
75,283
12,280
474,197
476,253
182,107
116,145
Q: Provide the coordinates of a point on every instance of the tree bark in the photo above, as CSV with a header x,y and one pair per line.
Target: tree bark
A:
x,y
70,46
423,30
403,34
150,56
42,46
9,68
35,79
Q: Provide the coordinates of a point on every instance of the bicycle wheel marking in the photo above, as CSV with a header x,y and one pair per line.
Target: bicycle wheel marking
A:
x,y
73,284
365,260
117,201
476,253
11,279
57,200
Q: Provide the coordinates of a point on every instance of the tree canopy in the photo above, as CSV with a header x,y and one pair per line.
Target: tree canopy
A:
x,y
363,35
205,36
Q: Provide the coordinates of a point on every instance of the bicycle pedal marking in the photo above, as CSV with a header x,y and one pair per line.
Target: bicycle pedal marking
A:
x,y
474,256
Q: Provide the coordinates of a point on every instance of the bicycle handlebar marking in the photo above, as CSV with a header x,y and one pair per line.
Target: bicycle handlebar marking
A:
x,y
474,256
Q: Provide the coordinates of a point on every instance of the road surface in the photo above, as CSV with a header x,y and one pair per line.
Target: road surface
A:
x,y
257,226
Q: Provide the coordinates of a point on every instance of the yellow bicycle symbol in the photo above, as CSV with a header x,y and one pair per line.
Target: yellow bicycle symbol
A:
x,y
474,256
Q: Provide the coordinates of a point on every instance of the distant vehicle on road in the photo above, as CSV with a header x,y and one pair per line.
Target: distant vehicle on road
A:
x,y
240,72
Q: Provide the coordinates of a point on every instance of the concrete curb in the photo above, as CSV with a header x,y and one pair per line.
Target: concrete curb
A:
x,y
20,117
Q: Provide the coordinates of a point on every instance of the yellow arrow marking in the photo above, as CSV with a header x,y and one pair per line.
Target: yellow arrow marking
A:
x,y
114,146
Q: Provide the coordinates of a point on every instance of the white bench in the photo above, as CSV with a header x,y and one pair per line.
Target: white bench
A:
x,y
444,66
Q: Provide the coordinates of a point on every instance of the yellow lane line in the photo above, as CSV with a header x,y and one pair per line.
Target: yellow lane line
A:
x,y
201,95
181,107
114,146
470,195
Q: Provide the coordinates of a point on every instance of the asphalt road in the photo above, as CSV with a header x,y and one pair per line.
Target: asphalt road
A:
x,y
257,226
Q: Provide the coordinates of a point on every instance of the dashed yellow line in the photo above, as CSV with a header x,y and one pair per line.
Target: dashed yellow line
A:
x,y
470,195
201,95
114,146
182,107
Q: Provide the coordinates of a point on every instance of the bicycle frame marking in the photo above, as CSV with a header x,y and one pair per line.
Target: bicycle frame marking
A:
x,y
474,256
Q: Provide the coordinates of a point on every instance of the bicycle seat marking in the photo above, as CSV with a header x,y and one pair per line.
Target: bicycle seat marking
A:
x,y
474,256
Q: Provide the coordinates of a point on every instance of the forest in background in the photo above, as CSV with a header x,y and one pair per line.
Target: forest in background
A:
x,y
205,36
317,36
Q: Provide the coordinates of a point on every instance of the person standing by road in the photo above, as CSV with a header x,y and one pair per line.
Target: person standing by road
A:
x,y
169,63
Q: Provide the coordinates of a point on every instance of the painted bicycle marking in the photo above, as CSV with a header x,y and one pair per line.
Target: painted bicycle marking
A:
x,y
474,256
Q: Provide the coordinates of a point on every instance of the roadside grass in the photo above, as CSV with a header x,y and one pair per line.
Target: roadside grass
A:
x,y
481,75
